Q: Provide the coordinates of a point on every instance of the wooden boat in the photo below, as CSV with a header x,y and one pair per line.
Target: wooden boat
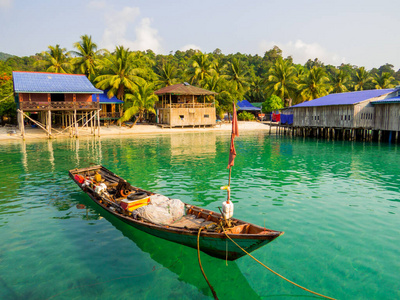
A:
x,y
212,241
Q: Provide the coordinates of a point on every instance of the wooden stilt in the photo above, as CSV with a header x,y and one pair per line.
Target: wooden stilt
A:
x,y
22,125
49,123
98,121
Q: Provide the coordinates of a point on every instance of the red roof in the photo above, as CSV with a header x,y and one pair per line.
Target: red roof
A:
x,y
183,89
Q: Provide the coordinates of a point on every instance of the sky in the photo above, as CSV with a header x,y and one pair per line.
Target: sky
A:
x,y
359,32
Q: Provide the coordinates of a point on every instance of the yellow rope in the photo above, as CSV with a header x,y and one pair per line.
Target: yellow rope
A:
x,y
201,267
269,269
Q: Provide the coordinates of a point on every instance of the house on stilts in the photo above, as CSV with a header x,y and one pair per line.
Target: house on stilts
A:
x,y
56,100
352,115
183,105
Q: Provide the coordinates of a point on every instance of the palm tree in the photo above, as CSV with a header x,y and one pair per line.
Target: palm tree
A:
x,y
282,80
383,81
314,84
56,60
167,74
141,100
86,60
362,77
338,81
119,72
236,74
199,68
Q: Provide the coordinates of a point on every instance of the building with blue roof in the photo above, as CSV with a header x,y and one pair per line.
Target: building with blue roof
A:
x,y
342,110
55,99
362,114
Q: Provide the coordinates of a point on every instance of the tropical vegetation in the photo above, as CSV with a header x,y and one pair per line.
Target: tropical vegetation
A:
x,y
133,75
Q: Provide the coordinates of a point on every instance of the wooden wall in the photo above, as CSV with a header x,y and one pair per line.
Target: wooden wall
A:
x,y
324,116
187,116
43,97
387,116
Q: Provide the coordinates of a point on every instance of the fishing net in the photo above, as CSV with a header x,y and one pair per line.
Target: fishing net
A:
x,y
161,210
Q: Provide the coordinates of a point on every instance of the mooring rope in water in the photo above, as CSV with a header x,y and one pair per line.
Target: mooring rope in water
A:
x,y
269,269
201,267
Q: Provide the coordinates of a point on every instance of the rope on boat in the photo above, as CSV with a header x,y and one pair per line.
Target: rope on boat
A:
x,y
269,269
201,267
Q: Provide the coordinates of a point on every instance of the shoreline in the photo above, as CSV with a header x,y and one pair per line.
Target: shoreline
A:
x,y
13,134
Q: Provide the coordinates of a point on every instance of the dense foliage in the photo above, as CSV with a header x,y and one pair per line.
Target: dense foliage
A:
x,y
133,75
246,116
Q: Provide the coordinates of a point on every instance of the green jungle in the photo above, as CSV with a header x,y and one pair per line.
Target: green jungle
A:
x,y
133,76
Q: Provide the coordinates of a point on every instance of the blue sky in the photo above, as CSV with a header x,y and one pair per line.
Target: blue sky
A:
x,y
363,33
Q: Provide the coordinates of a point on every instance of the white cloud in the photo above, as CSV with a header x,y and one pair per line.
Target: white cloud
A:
x,y
190,46
5,3
301,52
119,28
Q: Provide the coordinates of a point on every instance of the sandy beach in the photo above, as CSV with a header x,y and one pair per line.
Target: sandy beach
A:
x,y
12,133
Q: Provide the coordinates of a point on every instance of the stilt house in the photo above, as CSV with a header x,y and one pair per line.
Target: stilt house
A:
x,y
185,105
344,110
59,99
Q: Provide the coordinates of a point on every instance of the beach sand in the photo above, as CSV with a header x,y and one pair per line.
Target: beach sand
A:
x,y
12,133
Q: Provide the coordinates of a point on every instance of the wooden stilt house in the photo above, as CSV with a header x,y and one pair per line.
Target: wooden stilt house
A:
x,y
182,105
344,110
56,99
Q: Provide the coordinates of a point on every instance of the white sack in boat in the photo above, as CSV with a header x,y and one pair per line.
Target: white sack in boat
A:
x,y
161,210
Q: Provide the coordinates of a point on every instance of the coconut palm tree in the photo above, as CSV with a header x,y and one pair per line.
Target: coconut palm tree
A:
x,y
56,60
119,72
338,81
282,80
361,78
167,74
314,84
199,67
141,100
236,74
86,56
383,81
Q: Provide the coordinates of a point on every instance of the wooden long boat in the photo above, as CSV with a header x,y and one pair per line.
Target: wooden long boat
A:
x,y
213,239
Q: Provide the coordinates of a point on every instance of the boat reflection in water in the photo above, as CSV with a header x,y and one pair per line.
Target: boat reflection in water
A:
x,y
227,280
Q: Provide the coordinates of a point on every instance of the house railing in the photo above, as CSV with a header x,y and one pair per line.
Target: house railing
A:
x,y
186,105
61,105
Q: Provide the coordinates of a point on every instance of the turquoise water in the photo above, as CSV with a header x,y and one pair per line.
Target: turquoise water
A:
x,y
338,203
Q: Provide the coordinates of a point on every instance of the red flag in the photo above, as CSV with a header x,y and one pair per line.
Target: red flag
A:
x,y
235,132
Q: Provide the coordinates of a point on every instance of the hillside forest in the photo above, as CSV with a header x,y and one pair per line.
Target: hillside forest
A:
x,y
133,76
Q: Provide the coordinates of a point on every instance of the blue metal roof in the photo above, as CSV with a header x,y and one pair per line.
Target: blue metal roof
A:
x,y
344,98
388,100
103,98
55,83
246,105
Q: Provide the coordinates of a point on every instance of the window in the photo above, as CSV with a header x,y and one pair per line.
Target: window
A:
x,y
348,117
181,117
206,116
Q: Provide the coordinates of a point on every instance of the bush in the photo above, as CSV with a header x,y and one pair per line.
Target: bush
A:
x,y
246,116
